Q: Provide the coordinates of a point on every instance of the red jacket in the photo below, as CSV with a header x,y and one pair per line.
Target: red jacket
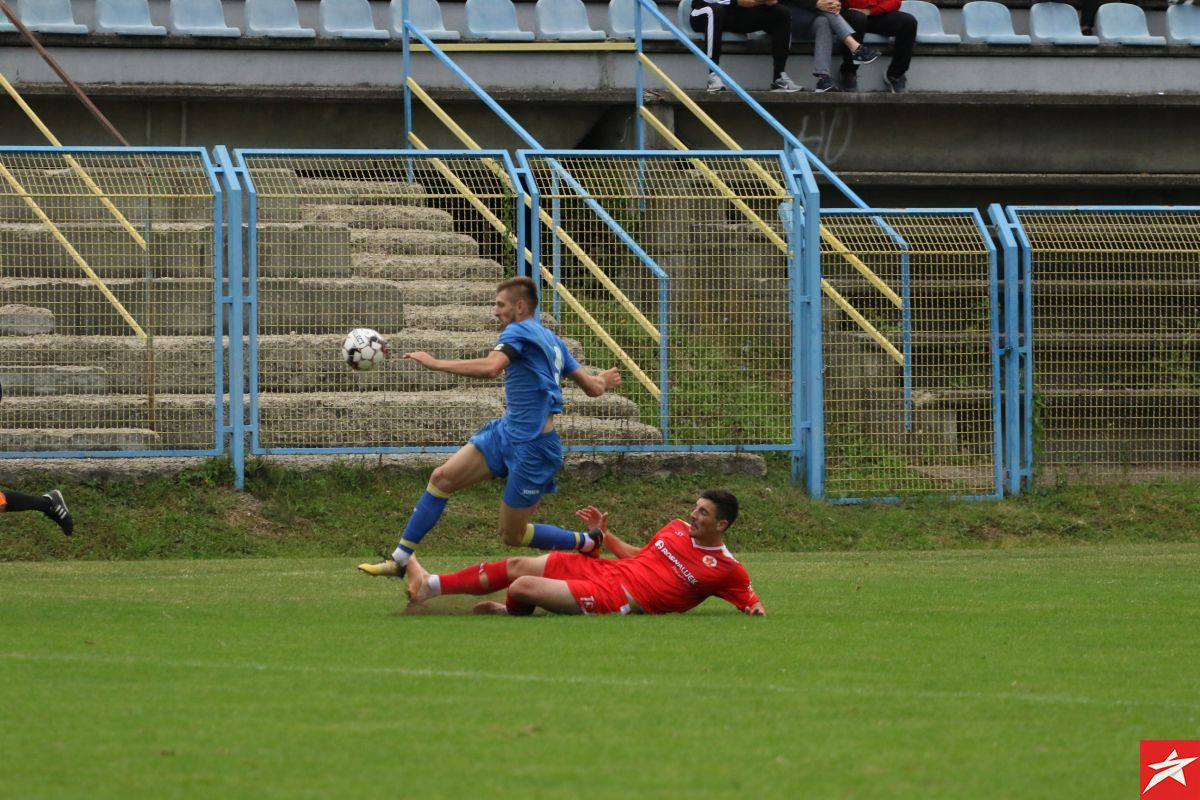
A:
x,y
874,6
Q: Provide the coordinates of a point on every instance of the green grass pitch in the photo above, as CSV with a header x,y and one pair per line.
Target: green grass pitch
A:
x,y
1025,673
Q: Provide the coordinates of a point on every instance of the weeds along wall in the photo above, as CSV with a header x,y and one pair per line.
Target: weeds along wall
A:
x,y
890,353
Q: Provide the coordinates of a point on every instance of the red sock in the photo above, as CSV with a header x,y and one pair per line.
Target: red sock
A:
x,y
469,580
516,608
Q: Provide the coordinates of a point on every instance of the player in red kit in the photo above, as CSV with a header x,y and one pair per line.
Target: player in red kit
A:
x,y
683,565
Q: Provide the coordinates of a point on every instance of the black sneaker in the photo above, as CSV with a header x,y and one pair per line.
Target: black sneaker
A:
x,y
849,81
864,55
896,84
826,84
597,537
59,512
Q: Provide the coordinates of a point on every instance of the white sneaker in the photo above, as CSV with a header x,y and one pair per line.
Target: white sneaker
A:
x,y
715,84
784,84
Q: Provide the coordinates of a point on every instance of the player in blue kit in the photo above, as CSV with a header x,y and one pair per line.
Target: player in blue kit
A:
x,y
522,446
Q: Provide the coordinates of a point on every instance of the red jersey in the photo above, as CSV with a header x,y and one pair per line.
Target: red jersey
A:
x,y
672,573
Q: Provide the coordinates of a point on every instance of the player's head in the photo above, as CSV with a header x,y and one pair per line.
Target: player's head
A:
x,y
714,512
516,299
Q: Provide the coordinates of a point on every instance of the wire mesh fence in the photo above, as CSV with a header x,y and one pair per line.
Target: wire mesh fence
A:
x,y
107,310
675,268
411,246
1116,337
910,383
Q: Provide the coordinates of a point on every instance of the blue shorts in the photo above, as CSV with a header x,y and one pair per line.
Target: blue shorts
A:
x,y
530,466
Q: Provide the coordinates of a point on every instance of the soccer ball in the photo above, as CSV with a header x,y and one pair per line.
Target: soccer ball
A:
x,y
364,349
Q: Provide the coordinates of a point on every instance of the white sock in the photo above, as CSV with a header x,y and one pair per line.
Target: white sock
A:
x,y
401,556
434,584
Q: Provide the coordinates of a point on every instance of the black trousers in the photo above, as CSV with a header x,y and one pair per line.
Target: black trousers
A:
x,y
896,25
712,20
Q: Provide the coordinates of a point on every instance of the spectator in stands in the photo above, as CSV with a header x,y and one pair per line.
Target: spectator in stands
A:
x,y
716,17
884,18
820,20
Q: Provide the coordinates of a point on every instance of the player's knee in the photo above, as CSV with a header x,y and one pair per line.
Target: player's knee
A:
x,y
522,589
512,536
518,566
440,479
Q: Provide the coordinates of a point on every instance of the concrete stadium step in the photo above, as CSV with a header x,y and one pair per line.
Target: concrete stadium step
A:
x,y
182,364
177,421
311,249
1117,361
472,317
381,419
324,305
379,216
360,192
177,249
1114,305
176,306
81,439
65,198
426,267
52,380
1119,427
18,320
321,305
412,242
312,362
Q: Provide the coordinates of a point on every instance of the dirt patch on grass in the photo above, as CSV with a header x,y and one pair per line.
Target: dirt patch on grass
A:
x,y
248,513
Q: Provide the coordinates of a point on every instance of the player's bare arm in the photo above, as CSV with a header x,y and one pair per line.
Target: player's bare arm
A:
x,y
490,366
598,384
595,518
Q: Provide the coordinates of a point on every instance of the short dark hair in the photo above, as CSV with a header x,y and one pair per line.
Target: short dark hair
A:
x,y
726,503
524,288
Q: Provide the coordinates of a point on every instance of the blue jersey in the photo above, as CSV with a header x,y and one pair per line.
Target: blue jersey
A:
x,y
532,382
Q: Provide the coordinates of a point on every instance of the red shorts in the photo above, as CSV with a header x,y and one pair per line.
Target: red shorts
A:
x,y
595,589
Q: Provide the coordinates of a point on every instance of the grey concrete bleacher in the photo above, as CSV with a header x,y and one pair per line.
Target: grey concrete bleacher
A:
x,y
397,263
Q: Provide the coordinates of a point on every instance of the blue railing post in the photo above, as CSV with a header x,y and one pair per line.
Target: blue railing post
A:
x,y
406,61
1024,351
233,298
808,385
1011,359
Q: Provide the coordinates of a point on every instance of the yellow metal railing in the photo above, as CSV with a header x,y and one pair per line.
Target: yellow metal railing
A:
x,y
27,198
595,269
72,163
826,235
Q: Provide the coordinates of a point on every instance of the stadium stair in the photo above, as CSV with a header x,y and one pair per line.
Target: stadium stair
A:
x,y
391,263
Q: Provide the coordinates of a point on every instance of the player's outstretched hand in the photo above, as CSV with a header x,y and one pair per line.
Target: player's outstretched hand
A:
x,y
594,518
421,357
756,610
